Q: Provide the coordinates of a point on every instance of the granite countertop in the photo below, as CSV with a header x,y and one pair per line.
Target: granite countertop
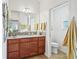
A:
x,y
24,36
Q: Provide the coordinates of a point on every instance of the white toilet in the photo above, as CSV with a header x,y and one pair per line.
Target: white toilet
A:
x,y
54,47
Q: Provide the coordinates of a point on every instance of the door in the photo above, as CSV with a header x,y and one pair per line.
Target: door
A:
x,y
58,15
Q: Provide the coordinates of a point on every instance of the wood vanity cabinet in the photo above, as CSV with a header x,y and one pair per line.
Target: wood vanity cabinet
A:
x,y
25,47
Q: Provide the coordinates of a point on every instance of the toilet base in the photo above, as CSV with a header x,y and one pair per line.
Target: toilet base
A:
x,y
55,50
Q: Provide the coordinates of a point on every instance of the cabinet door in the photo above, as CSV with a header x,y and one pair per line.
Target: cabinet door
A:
x,y
41,43
13,47
41,50
33,48
24,49
13,55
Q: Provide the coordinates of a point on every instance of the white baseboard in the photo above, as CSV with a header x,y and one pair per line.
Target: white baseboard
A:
x,y
47,55
64,51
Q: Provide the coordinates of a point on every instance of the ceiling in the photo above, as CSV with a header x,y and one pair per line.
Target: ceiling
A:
x,y
34,5
19,5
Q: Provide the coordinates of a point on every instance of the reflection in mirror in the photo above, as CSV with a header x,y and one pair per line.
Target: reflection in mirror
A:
x,y
23,22
13,27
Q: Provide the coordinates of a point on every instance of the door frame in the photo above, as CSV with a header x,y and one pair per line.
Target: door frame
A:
x,y
56,6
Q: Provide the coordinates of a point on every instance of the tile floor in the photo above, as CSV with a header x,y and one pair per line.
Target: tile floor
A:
x,y
60,55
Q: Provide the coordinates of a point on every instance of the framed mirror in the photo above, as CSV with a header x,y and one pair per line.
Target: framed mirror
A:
x,y
5,20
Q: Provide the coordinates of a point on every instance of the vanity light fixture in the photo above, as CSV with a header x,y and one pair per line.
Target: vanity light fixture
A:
x,y
27,10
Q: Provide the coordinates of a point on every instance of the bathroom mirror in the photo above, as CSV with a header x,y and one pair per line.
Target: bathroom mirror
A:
x,y
27,16
13,27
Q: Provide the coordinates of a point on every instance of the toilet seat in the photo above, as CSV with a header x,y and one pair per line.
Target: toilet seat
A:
x,y
54,44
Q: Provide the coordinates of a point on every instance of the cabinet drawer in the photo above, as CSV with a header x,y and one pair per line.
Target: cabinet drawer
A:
x,y
11,41
13,55
13,47
41,38
33,44
24,40
24,45
34,39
